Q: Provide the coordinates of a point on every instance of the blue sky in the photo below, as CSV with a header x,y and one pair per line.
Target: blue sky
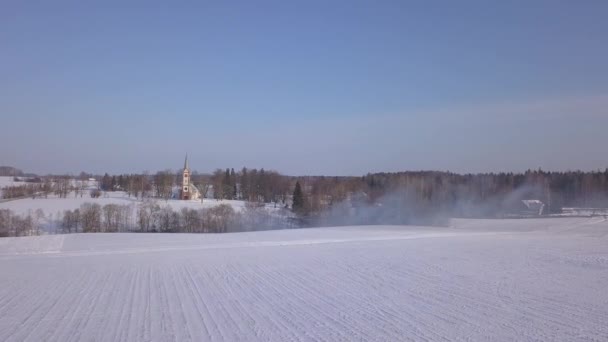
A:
x,y
328,87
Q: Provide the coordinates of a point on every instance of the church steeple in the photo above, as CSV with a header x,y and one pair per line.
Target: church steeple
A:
x,y
185,193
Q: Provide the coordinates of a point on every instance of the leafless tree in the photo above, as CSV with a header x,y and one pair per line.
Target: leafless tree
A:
x,y
38,220
62,186
5,223
47,187
189,220
70,221
90,216
148,216
111,217
23,225
219,218
163,184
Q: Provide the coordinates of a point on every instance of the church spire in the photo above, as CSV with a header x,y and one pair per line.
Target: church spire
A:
x,y
186,163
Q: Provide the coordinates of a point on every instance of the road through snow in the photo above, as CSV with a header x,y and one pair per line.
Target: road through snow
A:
x,y
476,280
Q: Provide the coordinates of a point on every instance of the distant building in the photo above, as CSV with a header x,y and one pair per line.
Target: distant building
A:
x,y
523,208
533,207
188,190
585,212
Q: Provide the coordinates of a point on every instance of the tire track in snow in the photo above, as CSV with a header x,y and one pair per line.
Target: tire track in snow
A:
x,y
362,287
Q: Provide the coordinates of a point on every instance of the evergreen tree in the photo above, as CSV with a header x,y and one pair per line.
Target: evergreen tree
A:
x,y
226,185
298,199
106,182
233,182
244,184
264,190
121,182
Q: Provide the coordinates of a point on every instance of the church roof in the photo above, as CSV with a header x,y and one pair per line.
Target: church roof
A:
x,y
193,188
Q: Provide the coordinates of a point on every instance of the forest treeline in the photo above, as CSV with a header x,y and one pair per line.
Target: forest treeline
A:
x,y
467,195
446,191
147,216
401,197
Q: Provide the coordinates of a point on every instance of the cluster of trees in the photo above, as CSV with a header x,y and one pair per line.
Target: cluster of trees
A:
x,y
94,218
18,191
493,193
251,185
385,197
20,225
145,185
136,185
60,186
247,184
468,195
146,217
10,171
151,217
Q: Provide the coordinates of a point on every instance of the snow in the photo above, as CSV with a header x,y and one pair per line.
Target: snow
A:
x,y
5,181
88,184
584,211
53,206
526,279
8,181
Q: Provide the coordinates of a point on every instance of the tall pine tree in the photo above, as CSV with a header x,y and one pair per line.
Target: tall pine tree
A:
x,y
298,199
227,185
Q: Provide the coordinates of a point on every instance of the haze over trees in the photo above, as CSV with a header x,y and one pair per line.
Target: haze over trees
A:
x,y
399,198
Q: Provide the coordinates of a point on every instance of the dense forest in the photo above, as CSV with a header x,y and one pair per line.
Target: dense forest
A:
x,y
467,195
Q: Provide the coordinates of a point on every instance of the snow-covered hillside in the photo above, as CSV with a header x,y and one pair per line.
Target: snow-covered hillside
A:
x,y
539,279
8,181
54,204
53,207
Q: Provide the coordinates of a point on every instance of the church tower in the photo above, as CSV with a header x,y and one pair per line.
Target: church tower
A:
x,y
186,181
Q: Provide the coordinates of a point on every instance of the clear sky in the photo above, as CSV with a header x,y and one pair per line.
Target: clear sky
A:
x,y
304,87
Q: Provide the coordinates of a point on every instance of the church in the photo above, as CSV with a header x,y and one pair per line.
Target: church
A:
x,y
188,190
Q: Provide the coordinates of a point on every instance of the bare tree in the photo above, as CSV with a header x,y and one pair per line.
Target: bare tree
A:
x,y
148,216
38,219
90,216
220,218
5,223
163,184
111,217
189,220
23,225
70,221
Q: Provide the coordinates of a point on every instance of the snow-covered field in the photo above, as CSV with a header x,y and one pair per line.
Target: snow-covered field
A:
x,y
539,279
53,207
54,204
8,181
